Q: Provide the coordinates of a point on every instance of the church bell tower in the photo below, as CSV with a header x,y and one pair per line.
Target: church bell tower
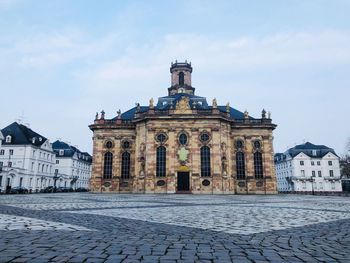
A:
x,y
181,78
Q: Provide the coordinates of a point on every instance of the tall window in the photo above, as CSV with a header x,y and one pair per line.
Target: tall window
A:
x,y
258,165
181,78
240,166
126,165
108,166
161,161
205,161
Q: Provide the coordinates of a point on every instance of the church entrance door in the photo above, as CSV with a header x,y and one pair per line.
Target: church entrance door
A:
x,y
183,182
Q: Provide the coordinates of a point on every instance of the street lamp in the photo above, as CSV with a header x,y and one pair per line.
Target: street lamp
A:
x,y
74,180
42,179
312,185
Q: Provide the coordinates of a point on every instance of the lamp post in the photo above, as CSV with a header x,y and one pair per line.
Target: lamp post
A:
x,y
312,185
42,179
55,178
74,180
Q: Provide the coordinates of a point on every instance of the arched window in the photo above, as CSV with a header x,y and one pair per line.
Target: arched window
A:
x,y
125,165
258,165
181,78
108,166
161,161
240,166
205,162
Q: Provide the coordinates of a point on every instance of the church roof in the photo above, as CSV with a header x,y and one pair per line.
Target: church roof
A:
x,y
165,103
22,135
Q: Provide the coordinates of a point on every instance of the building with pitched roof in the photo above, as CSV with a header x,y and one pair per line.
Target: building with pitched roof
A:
x,y
181,144
1,138
73,167
26,159
308,168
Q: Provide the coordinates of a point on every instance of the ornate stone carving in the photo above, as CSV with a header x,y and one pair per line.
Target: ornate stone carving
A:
x,y
151,103
183,106
183,155
215,103
246,115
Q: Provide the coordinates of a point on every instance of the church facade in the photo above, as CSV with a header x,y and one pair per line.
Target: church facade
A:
x,y
181,144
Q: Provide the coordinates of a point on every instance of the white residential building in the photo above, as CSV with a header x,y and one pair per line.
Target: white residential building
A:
x,y
308,168
1,138
26,159
71,166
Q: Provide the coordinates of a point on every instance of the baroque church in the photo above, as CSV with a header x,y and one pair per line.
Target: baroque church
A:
x,y
182,144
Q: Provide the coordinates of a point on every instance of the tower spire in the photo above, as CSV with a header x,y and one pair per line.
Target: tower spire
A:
x,y
181,79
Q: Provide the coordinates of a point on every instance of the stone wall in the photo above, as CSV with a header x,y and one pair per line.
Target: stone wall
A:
x,y
222,144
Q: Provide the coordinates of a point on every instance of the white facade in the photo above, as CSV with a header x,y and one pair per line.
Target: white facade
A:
x,y
73,168
1,138
27,166
305,173
72,164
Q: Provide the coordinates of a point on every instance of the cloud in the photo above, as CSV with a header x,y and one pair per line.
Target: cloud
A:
x,y
299,49
47,50
111,73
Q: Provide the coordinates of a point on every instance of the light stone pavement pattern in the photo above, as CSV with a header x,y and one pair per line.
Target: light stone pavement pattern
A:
x,y
84,227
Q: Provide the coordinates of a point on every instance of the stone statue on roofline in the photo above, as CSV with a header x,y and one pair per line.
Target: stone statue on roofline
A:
x,y
215,103
151,103
246,114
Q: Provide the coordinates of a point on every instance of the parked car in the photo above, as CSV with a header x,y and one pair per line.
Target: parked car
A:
x,y
81,189
64,190
49,189
19,190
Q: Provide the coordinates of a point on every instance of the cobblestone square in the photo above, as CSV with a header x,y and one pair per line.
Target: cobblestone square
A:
x,y
84,227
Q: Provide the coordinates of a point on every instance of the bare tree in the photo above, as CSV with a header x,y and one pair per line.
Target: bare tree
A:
x,y
345,162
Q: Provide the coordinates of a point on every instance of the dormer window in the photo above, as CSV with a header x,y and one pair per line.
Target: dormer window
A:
x,y
314,152
33,140
61,153
8,138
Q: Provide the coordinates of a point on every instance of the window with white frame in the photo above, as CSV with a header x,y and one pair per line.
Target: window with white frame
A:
x,y
8,138
331,173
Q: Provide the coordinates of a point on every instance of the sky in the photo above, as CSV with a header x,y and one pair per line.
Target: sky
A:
x,y
61,61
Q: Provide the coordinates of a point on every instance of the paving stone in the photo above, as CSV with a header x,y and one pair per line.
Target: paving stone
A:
x,y
83,227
